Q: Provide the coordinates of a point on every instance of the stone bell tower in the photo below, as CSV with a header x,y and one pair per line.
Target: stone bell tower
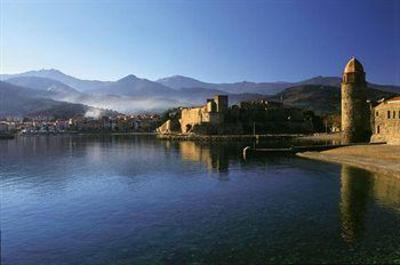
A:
x,y
355,109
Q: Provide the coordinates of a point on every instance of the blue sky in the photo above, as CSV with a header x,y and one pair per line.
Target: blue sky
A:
x,y
216,41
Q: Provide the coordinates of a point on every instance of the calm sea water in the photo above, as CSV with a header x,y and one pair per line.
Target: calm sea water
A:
x,y
137,200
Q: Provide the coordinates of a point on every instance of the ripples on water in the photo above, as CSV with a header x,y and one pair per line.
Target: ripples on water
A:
x,y
137,200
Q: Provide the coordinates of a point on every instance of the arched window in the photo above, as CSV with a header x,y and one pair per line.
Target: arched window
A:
x,y
388,114
378,129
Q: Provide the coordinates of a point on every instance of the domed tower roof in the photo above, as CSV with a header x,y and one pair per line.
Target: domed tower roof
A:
x,y
354,66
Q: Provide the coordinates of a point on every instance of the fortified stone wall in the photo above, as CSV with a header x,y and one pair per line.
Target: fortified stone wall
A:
x,y
201,118
221,103
252,117
213,117
270,117
168,127
189,117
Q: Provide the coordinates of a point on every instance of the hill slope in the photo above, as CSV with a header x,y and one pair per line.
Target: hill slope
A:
x,y
320,99
20,101
55,89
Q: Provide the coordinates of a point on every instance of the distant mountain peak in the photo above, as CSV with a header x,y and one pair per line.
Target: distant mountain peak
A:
x,y
127,78
177,77
50,71
180,81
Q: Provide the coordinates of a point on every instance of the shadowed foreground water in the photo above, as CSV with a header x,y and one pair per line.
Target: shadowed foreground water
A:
x,y
137,200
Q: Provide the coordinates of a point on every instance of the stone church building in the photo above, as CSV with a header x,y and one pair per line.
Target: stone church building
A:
x,y
386,121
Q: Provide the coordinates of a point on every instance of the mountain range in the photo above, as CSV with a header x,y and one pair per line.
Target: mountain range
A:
x,y
133,94
79,84
264,88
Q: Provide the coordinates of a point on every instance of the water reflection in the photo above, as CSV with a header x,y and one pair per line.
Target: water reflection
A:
x,y
358,188
386,191
213,157
128,200
355,186
219,156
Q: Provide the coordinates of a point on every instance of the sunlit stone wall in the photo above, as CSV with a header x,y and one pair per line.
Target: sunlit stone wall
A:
x,y
387,122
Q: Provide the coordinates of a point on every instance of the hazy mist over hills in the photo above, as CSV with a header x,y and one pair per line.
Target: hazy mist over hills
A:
x,y
44,84
132,94
21,101
134,86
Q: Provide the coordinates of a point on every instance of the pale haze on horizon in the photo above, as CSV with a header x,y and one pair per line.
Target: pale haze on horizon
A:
x,y
214,41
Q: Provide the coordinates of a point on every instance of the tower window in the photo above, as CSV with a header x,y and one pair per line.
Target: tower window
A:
x,y
378,129
388,114
377,113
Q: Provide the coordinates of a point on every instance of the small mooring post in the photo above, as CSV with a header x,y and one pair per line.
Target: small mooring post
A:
x,y
245,152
